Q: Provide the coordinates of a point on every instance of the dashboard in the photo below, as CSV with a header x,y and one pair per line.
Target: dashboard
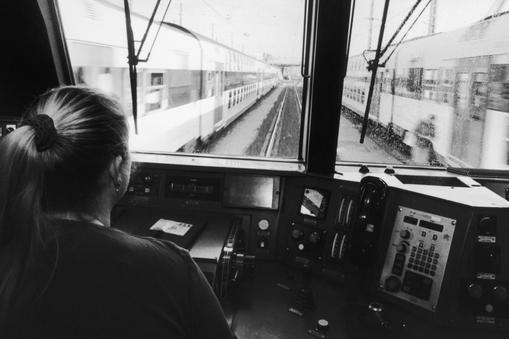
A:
x,y
334,257
290,249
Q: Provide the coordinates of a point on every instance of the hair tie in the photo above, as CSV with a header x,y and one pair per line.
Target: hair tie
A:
x,y
45,131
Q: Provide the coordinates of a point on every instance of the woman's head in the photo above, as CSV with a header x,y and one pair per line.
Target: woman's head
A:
x,y
70,152
90,132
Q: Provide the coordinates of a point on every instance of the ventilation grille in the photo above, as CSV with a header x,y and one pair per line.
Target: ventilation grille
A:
x,y
346,211
91,11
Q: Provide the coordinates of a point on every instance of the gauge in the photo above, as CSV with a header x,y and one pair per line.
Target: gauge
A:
x,y
263,224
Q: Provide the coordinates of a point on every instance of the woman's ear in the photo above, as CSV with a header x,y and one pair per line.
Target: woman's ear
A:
x,y
115,171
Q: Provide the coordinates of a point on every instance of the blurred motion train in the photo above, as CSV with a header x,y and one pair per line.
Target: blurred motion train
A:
x,y
461,78
340,252
190,87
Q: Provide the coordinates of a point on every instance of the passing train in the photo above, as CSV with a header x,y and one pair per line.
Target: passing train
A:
x,y
306,247
190,88
461,78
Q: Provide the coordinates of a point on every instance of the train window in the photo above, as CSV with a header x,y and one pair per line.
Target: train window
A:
x,y
430,84
194,57
156,79
441,92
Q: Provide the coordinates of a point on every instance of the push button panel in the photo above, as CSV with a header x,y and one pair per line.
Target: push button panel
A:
x,y
417,256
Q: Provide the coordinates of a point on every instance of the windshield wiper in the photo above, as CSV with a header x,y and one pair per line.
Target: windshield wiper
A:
x,y
375,63
133,57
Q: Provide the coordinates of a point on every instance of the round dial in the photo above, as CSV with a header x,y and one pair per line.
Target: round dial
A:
x,y
263,224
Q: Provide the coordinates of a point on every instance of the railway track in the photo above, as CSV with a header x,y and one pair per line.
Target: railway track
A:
x,y
271,139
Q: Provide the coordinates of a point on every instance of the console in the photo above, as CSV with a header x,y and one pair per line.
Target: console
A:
x,y
416,258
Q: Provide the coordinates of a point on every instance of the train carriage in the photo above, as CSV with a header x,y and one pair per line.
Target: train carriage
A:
x,y
190,87
459,78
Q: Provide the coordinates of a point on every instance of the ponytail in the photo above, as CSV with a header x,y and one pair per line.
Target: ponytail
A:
x,y
50,165
22,226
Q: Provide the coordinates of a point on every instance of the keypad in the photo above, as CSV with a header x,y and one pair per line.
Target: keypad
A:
x,y
399,263
423,260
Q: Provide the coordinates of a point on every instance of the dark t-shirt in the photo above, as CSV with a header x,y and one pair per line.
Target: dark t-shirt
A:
x,y
109,284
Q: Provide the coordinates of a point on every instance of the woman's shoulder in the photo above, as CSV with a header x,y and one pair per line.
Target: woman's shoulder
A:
x,y
118,245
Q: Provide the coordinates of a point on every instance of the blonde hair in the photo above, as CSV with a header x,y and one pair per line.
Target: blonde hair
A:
x,y
90,131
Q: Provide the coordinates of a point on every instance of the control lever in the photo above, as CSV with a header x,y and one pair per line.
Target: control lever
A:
x,y
376,310
243,265
305,300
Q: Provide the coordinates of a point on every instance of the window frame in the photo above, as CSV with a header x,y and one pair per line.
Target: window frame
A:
x,y
322,88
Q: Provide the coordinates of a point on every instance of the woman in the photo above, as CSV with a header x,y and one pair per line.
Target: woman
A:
x,y
64,273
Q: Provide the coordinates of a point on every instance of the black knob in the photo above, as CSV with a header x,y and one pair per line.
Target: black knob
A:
x,y
364,169
475,291
376,309
297,234
363,219
322,325
405,234
392,284
500,293
487,226
314,238
389,170
401,248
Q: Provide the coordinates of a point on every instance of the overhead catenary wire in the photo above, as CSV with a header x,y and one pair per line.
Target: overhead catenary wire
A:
x,y
404,35
157,33
409,14
151,20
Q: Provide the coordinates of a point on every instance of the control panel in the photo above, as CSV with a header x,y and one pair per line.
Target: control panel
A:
x,y
417,256
485,293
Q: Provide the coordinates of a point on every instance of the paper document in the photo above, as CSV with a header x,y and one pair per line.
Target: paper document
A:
x,y
171,227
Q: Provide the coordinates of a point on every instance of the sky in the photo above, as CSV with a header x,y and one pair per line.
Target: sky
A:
x,y
275,27
450,15
256,27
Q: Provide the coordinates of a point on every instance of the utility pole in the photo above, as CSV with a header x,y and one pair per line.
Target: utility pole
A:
x,y
371,19
432,17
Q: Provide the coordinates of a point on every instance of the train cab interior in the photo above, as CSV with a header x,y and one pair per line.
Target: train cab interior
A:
x,y
315,241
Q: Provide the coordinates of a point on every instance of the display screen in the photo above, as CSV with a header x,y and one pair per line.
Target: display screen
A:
x,y
410,220
314,202
431,225
252,191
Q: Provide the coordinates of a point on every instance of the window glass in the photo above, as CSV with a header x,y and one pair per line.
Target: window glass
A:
x,y
441,96
215,77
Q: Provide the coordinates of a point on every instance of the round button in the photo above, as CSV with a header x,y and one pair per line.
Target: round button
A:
x,y
475,291
487,225
263,224
297,234
405,234
392,284
322,325
300,247
401,248
489,308
314,238
500,293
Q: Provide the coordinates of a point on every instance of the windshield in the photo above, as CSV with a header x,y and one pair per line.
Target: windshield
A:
x,y
215,77
441,96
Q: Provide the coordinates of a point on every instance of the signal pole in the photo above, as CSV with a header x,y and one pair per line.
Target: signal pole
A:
x,y
432,17
371,19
